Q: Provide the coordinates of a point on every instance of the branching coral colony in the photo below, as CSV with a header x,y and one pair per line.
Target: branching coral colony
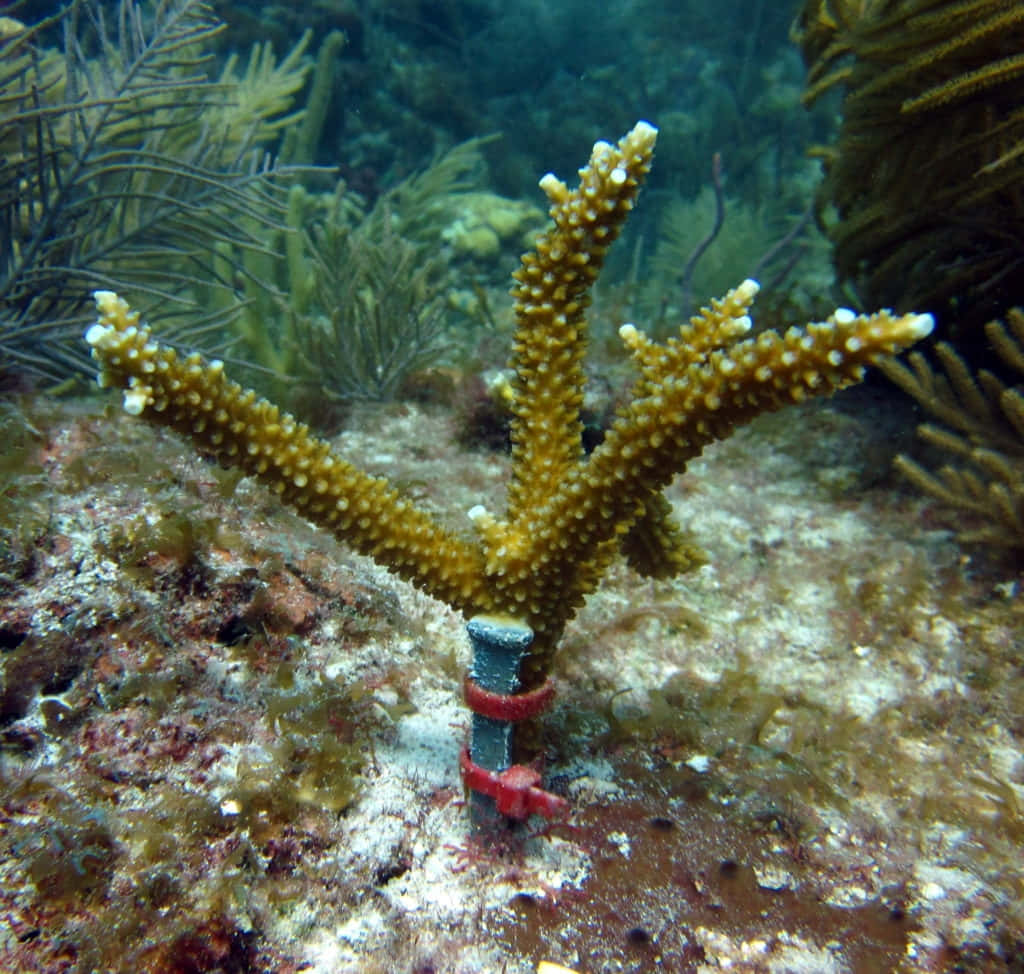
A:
x,y
524,575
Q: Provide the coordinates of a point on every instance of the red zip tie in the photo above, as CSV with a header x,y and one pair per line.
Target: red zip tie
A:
x,y
510,707
514,790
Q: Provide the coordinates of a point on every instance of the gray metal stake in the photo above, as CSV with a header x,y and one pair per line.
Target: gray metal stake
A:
x,y
499,645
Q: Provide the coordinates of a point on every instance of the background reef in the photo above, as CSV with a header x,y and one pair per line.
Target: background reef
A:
x,y
418,77
237,246
228,744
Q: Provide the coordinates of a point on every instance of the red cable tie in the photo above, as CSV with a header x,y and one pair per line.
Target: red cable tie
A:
x,y
510,707
514,790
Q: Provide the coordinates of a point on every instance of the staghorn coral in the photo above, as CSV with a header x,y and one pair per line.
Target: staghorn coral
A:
x,y
567,514
983,427
932,96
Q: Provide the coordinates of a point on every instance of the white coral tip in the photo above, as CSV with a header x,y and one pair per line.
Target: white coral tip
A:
x,y
554,188
645,130
104,299
97,334
745,292
919,325
135,400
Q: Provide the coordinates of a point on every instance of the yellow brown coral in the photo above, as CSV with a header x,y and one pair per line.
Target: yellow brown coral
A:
x,y
567,513
198,400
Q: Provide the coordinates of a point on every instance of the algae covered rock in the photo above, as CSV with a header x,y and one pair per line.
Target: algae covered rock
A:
x,y
484,224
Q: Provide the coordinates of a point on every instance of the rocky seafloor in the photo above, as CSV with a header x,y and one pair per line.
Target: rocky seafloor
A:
x,y
229,744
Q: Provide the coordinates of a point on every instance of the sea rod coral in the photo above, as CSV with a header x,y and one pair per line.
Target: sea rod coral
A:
x,y
524,575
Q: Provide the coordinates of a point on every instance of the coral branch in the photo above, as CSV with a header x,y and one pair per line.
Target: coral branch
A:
x,y
567,515
199,401
551,296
